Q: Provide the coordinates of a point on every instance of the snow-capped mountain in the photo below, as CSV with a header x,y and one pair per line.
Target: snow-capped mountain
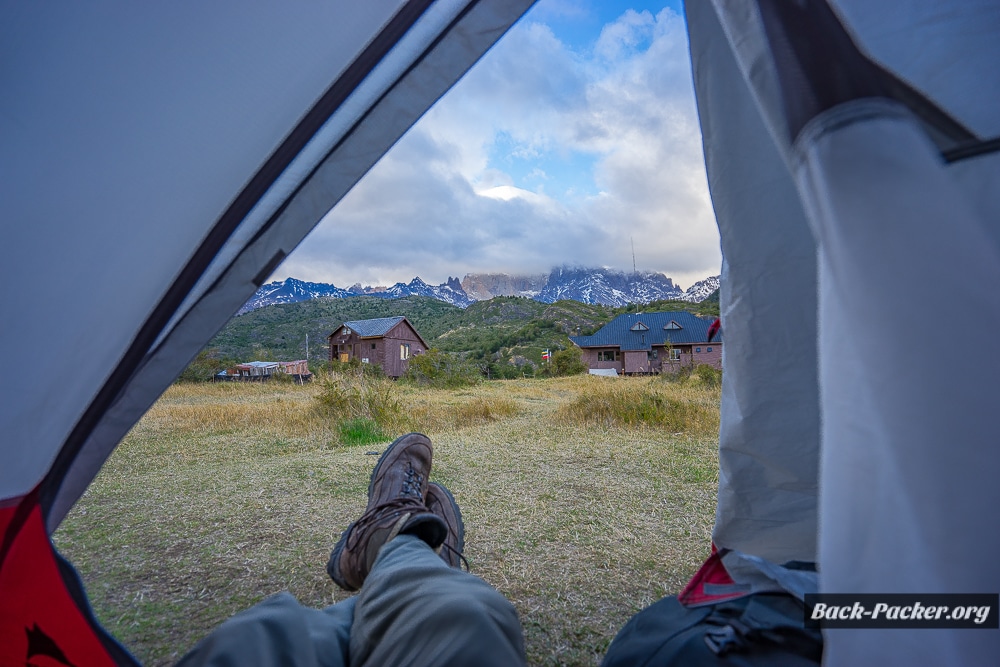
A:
x,y
607,287
449,292
603,286
701,290
290,291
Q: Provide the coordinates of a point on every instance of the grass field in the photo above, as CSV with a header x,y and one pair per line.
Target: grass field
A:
x,y
584,499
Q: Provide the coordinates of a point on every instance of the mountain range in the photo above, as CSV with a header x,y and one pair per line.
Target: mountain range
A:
x,y
591,286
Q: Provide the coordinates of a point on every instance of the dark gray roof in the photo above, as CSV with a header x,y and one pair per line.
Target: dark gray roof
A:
x,y
619,331
380,326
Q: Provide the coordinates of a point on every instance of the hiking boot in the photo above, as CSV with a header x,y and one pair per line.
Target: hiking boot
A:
x,y
396,506
442,503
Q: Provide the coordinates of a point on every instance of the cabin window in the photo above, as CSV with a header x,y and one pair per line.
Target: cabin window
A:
x,y
708,349
404,351
697,349
607,355
373,346
675,354
652,354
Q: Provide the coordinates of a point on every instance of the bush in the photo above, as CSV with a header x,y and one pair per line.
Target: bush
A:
x,y
708,376
677,373
503,370
363,405
355,367
439,369
204,367
565,362
702,375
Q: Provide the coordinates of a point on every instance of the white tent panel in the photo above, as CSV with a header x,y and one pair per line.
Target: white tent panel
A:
x,y
903,204
769,431
127,130
947,50
909,429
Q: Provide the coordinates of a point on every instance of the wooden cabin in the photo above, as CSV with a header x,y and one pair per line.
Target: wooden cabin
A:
x,y
388,342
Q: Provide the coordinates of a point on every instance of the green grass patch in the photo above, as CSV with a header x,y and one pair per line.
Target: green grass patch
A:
x,y
361,432
364,406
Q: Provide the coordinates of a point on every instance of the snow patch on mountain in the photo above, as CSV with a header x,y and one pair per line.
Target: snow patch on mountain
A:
x,y
607,286
290,291
701,290
449,292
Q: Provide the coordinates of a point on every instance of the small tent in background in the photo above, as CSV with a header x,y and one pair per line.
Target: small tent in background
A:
x,y
160,159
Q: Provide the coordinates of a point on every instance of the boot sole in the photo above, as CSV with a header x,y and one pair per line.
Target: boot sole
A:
x,y
333,565
458,516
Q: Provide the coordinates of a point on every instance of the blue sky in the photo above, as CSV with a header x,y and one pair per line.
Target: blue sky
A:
x,y
574,135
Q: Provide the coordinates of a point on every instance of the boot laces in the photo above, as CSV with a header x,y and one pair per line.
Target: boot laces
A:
x,y
413,485
458,553
410,497
389,509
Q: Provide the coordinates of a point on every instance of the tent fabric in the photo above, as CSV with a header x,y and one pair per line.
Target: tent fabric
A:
x,y
117,191
896,172
769,422
44,612
910,444
181,235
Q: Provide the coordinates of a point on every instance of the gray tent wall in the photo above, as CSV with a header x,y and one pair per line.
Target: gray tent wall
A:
x,y
899,178
769,433
159,162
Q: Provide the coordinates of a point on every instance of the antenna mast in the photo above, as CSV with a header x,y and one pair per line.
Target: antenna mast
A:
x,y
633,254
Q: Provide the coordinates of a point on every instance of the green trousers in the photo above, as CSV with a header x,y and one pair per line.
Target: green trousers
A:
x,y
412,610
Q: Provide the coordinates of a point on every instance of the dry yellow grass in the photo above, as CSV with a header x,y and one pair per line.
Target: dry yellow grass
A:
x,y
224,494
644,401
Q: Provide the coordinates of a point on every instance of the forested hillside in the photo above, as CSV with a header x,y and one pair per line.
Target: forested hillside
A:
x,y
499,332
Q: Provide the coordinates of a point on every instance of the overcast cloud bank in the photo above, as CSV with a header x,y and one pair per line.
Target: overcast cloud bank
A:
x,y
542,155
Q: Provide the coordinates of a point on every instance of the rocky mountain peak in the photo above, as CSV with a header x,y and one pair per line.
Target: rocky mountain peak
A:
x,y
587,285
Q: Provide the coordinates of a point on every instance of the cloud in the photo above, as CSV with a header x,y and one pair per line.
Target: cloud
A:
x,y
541,156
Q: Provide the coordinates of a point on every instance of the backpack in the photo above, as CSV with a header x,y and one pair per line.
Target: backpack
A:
x,y
756,629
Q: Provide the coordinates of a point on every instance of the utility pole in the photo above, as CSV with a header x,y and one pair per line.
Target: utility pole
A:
x,y
307,347
632,239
